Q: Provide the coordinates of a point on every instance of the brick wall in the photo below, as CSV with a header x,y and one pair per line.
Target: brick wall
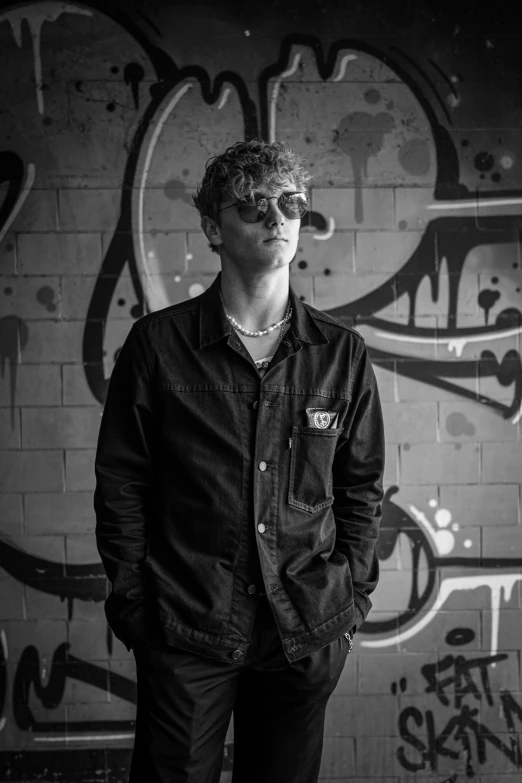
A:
x,y
410,119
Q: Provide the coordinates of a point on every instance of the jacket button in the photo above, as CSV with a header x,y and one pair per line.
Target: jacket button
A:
x,y
261,527
262,466
252,589
237,654
255,404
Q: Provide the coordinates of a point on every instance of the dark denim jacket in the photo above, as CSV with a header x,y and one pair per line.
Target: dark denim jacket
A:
x,y
212,487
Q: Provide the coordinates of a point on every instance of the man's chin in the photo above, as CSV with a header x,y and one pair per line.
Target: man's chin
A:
x,y
280,253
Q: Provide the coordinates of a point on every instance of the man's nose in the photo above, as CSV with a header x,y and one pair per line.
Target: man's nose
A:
x,y
274,216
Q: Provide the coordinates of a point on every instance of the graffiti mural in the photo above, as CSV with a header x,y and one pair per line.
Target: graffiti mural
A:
x,y
461,685
413,237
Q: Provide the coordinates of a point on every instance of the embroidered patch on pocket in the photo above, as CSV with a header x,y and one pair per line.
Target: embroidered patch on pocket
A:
x,y
321,419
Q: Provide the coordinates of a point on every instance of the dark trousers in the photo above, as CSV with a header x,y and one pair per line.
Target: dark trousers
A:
x,y
185,702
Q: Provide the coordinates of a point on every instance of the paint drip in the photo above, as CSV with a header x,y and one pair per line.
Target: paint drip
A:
x,y
35,16
360,136
13,339
133,74
486,300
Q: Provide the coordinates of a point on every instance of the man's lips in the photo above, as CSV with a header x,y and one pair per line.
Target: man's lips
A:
x,y
276,239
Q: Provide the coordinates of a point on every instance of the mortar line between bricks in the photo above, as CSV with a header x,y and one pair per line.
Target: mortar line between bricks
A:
x,y
60,297
186,252
20,420
57,197
23,510
15,253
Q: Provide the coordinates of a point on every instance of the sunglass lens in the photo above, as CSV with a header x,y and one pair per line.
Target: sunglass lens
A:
x,y
293,206
250,213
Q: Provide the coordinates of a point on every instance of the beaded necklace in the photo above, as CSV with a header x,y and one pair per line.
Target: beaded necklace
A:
x,y
261,332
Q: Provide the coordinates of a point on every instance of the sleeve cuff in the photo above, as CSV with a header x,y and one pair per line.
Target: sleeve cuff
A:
x,y
362,607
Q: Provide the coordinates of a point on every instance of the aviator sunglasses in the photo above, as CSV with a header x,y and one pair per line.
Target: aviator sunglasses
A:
x,y
292,206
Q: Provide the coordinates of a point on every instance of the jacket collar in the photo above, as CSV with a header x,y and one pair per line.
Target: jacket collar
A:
x,y
213,324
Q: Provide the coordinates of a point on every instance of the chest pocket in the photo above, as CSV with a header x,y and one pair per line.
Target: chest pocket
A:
x,y
313,450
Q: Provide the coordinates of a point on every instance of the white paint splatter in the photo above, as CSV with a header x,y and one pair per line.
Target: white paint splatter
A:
x,y
85,738
451,206
453,100
456,344
177,279
342,66
500,585
433,503
153,286
443,540
195,290
35,15
330,228
275,92
29,182
518,415
443,517
224,97
507,161
468,543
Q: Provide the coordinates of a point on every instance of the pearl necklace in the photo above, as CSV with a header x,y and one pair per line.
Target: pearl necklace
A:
x,y
261,332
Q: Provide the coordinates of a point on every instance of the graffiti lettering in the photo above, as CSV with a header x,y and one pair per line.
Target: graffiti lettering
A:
x,y
463,735
64,665
461,679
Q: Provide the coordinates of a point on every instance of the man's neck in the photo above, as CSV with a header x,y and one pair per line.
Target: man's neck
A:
x,y
256,301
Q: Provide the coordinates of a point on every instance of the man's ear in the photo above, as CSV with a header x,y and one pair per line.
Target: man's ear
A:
x,y
211,230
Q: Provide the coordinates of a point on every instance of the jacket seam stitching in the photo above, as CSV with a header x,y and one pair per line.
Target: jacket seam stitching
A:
x,y
148,321
318,627
175,623
357,363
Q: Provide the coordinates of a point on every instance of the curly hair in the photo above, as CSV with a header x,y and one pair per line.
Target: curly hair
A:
x,y
243,168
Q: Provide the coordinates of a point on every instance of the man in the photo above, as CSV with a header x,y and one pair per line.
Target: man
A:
x,y
239,482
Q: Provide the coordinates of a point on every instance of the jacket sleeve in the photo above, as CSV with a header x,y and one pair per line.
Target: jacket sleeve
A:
x,y
124,483
357,478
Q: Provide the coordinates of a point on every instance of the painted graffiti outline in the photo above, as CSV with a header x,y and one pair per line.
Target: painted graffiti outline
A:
x,y
500,575
259,113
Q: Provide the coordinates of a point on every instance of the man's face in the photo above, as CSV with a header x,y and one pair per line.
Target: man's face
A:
x,y
268,244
